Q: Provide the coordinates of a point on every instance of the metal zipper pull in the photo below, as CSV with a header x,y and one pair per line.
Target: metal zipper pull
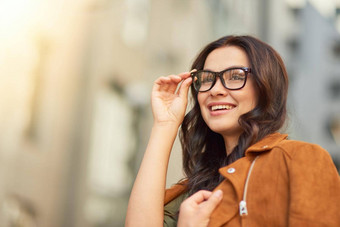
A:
x,y
243,208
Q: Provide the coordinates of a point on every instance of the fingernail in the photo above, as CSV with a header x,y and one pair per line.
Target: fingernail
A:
x,y
218,193
193,70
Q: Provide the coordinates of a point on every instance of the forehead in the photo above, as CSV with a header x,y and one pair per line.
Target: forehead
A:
x,y
226,57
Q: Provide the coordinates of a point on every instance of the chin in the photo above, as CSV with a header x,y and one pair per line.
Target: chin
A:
x,y
227,131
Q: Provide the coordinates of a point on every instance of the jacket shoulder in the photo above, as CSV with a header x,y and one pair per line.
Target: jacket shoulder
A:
x,y
297,148
175,191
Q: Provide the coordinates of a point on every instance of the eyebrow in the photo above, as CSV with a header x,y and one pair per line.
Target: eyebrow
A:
x,y
231,67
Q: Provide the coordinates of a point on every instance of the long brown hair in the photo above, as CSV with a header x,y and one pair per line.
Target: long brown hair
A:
x,y
204,150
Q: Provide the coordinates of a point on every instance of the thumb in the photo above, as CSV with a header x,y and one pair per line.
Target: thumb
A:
x,y
183,90
213,201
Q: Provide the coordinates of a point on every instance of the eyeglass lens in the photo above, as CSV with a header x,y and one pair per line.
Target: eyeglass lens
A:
x,y
231,79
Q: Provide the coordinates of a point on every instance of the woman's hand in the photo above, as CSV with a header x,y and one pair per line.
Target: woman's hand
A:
x,y
196,210
169,101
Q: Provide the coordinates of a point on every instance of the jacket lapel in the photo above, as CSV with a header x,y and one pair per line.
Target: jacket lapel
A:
x,y
232,187
235,176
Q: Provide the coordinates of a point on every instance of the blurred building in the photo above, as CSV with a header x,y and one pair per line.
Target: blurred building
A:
x,y
315,80
75,82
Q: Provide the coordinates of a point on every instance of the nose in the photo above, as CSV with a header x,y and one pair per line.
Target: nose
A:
x,y
218,88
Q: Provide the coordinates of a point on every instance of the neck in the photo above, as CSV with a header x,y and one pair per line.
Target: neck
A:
x,y
230,143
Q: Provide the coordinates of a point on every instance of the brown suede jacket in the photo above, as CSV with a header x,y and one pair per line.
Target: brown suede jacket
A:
x,y
290,183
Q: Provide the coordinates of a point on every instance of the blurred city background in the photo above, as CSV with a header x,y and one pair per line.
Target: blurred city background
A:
x,y
75,82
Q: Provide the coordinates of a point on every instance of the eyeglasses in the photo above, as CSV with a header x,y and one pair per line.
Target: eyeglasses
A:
x,y
233,78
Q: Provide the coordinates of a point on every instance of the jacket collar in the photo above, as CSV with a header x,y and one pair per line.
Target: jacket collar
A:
x,y
267,143
240,170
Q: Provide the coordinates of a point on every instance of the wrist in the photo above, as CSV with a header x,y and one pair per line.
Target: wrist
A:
x,y
165,131
168,125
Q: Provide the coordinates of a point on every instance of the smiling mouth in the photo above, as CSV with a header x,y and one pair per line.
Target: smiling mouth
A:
x,y
222,107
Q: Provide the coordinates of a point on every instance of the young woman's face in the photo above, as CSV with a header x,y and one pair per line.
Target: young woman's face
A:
x,y
233,103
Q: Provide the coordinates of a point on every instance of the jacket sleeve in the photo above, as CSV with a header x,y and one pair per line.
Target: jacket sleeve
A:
x,y
171,211
173,198
314,188
175,191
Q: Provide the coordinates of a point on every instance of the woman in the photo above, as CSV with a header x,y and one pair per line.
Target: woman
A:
x,y
231,146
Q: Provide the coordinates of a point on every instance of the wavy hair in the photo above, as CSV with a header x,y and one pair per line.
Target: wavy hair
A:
x,y
204,150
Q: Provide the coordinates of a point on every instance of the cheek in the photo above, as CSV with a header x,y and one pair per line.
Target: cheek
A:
x,y
250,100
200,99
254,98
201,102
246,102
252,105
251,96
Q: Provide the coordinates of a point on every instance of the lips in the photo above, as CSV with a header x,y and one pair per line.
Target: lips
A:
x,y
220,106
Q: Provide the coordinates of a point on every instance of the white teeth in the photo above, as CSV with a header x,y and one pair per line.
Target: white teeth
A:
x,y
221,107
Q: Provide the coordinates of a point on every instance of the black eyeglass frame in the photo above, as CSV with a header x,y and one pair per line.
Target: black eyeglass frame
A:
x,y
246,71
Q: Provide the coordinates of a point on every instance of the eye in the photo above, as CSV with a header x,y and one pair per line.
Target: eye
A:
x,y
207,77
237,77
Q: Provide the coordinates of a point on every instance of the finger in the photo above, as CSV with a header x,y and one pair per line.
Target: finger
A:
x,y
184,88
175,80
165,83
184,75
213,201
200,196
170,83
161,82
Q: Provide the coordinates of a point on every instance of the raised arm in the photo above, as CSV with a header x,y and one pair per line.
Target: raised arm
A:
x,y
168,106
